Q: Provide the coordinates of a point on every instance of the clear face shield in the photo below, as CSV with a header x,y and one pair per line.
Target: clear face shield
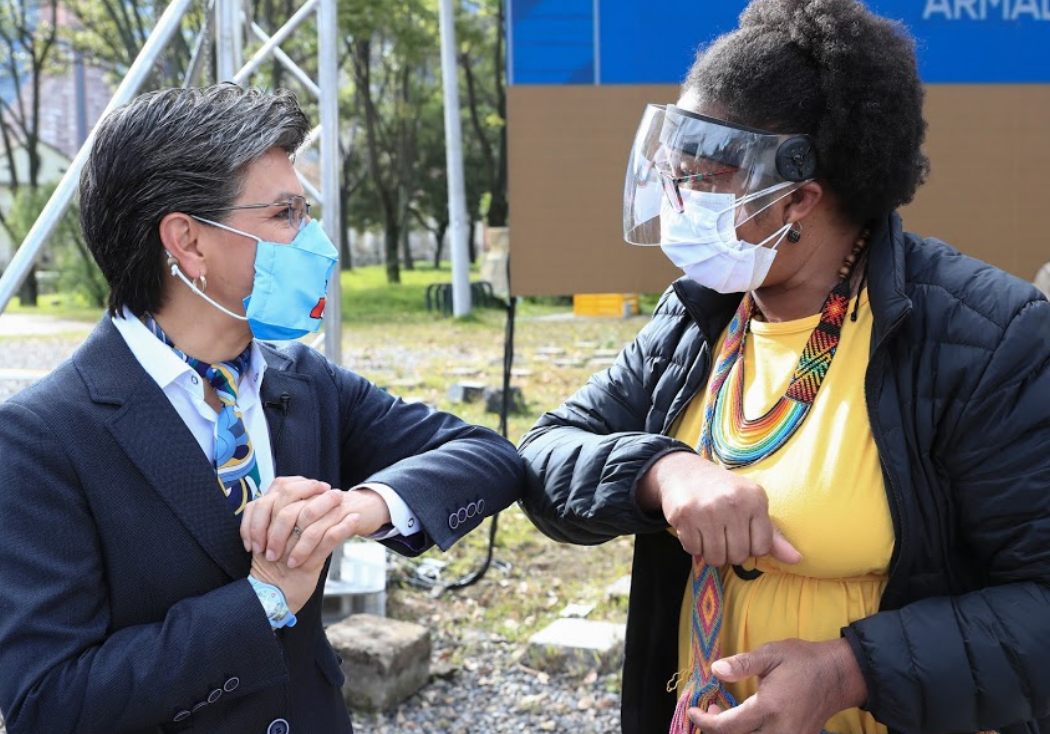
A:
x,y
680,157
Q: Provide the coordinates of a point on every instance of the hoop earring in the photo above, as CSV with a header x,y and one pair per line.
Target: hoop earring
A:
x,y
203,285
794,235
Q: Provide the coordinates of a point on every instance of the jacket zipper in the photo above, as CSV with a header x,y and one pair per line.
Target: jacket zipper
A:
x,y
895,493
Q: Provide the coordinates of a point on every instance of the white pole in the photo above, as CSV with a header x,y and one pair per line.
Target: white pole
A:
x,y
67,187
457,205
225,44
328,81
277,39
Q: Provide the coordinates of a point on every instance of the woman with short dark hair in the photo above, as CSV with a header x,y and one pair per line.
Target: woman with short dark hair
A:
x,y
170,497
844,427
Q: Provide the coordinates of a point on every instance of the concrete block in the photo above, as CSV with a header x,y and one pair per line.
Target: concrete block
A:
x,y
356,581
577,610
385,660
576,646
494,400
620,588
466,392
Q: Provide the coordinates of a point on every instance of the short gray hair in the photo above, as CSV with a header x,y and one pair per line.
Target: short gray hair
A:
x,y
174,150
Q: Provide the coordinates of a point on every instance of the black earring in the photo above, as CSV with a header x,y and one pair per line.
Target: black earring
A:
x,y
794,235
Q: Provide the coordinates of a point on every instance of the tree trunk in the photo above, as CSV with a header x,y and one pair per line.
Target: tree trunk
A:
x,y
391,239
471,248
498,208
345,256
439,241
406,244
29,291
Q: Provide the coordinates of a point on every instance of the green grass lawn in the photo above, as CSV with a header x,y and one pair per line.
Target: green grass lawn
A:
x,y
59,306
367,298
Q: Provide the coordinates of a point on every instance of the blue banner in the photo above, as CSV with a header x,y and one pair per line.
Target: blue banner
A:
x,y
655,41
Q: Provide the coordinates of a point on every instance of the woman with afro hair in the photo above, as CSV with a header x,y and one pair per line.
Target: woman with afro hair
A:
x,y
832,441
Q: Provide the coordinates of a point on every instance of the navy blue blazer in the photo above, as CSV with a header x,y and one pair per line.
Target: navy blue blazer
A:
x,y
123,594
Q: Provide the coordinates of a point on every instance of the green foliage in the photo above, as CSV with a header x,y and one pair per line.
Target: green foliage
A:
x,y
77,272
111,35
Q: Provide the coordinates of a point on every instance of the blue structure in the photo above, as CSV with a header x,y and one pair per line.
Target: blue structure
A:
x,y
654,41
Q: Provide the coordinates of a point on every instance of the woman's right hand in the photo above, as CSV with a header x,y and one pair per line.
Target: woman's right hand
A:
x,y
299,583
717,515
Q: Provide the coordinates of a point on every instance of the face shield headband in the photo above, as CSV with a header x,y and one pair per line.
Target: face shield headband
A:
x,y
677,152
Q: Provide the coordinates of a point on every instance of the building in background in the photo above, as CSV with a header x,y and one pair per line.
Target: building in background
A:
x,y
71,102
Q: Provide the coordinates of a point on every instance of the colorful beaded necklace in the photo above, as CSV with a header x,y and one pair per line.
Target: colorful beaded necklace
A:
x,y
731,438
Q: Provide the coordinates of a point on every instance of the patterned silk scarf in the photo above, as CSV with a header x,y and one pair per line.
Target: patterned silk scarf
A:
x,y
234,457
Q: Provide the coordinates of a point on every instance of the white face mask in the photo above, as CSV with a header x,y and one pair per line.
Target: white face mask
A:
x,y
702,240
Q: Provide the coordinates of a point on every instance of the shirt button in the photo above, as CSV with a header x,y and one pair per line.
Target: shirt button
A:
x,y
214,695
199,706
411,522
194,380
278,726
231,685
182,715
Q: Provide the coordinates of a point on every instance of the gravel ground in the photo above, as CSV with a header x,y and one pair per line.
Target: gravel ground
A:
x,y
492,692
23,361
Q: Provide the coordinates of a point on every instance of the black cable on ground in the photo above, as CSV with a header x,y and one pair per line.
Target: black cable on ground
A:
x,y
505,405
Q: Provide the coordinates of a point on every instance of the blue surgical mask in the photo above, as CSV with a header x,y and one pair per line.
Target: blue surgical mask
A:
x,y
288,293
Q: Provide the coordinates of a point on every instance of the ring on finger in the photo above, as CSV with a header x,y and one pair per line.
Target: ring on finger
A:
x,y
298,531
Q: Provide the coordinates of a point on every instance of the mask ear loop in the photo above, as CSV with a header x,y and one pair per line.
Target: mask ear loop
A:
x,y
176,272
779,235
760,194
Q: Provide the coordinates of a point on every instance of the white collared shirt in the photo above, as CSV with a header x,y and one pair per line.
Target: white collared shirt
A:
x,y
184,388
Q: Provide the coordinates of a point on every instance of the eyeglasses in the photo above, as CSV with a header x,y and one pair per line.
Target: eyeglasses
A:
x,y
671,184
295,208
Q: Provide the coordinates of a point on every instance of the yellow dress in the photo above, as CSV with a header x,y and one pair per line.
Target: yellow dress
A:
x,y
826,494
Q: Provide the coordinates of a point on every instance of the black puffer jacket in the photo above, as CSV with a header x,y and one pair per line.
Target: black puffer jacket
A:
x,y
958,396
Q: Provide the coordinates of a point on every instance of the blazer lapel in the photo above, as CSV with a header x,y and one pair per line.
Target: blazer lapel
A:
x,y
157,441
291,415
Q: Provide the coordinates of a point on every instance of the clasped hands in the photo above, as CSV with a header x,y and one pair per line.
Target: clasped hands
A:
x,y
724,518
296,525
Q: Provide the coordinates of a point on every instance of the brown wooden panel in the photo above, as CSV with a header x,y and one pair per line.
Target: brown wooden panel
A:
x,y
568,147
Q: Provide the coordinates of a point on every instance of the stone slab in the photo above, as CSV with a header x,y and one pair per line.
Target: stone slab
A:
x,y
466,392
576,646
494,400
620,588
384,660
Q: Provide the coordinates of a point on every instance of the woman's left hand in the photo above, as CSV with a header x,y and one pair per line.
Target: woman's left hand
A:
x,y
800,686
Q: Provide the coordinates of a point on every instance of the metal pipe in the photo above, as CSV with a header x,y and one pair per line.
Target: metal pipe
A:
x,y
200,48
457,197
56,206
328,78
287,63
282,33
225,45
312,190
312,137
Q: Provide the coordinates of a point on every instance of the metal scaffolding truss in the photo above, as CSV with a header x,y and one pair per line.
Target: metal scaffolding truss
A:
x,y
223,34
